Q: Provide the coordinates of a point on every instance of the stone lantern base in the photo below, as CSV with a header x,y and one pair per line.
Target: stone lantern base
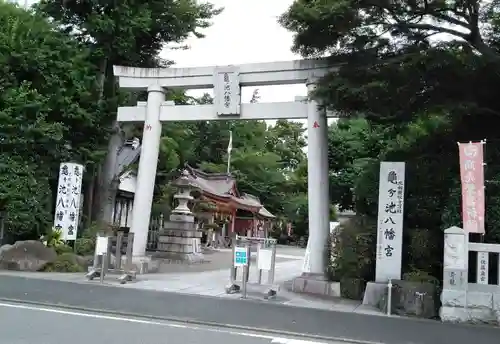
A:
x,y
180,241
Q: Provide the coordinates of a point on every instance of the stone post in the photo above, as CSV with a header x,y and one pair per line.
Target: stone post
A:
x,y
455,264
455,275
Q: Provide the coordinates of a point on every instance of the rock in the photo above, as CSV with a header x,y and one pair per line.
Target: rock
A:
x,y
412,299
30,255
84,261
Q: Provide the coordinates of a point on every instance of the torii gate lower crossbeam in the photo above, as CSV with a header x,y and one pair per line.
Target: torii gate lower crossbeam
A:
x,y
227,83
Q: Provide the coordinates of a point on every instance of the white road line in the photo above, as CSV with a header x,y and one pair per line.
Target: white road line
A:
x,y
293,341
274,340
149,322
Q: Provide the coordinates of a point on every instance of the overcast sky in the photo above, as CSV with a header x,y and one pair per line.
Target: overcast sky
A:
x,y
245,32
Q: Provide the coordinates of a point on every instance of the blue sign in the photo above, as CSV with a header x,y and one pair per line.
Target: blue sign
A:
x,y
240,256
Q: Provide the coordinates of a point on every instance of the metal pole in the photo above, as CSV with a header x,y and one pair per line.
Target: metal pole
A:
x,y
244,282
249,255
130,246
118,250
389,297
270,276
233,268
103,270
259,247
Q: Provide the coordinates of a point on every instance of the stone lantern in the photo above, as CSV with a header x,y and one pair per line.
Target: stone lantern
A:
x,y
184,187
179,240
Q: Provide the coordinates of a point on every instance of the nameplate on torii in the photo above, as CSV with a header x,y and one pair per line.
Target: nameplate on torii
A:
x,y
227,91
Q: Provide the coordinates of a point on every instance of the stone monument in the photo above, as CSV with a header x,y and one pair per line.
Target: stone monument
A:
x,y
180,240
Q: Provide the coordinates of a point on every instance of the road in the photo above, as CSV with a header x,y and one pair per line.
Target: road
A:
x,y
266,317
25,324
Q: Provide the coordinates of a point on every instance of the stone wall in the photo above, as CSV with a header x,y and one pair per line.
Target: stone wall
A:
x,y
462,301
474,305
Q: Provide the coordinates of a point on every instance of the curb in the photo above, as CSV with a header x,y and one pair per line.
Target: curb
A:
x,y
190,321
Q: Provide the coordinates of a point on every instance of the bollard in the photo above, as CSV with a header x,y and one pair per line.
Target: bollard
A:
x,y
103,270
270,276
244,282
118,250
129,253
389,297
259,277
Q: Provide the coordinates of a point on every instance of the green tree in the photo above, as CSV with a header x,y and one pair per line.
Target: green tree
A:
x,y
419,93
46,114
124,33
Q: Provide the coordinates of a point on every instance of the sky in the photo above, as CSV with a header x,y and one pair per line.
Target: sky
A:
x,y
245,32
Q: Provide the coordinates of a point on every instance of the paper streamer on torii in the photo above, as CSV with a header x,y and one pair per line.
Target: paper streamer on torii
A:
x,y
472,178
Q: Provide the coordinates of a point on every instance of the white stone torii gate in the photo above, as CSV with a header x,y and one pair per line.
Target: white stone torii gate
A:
x,y
227,82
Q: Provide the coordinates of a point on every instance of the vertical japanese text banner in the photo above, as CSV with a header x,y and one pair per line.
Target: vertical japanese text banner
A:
x,y
472,178
390,221
66,218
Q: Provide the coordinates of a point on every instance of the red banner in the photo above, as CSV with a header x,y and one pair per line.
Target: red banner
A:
x,y
472,177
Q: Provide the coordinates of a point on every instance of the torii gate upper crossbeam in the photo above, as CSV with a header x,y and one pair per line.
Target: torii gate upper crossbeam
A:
x,y
253,74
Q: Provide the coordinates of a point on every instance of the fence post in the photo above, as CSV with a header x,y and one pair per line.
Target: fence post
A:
x,y
455,272
456,259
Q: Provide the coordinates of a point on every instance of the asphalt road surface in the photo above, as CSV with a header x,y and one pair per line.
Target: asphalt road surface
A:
x,y
268,316
25,324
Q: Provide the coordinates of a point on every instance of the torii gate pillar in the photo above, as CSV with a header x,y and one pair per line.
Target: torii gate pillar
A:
x,y
148,163
317,189
227,82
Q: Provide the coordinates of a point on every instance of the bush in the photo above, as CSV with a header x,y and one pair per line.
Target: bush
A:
x,y
352,258
91,231
66,262
85,246
63,248
420,276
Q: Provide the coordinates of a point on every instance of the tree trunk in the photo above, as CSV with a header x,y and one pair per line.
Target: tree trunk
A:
x,y
89,199
108,181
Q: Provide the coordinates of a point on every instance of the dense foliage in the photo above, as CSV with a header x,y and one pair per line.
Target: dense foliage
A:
x,y
414,79
58,102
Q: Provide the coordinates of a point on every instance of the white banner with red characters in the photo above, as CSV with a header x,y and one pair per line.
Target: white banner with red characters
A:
x,y
472,177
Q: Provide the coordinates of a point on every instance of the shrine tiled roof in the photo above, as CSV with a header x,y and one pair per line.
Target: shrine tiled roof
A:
x,y
262,211
223,186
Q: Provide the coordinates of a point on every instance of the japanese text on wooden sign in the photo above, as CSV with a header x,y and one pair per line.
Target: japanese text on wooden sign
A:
x,y
472,177
67,212
390,221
